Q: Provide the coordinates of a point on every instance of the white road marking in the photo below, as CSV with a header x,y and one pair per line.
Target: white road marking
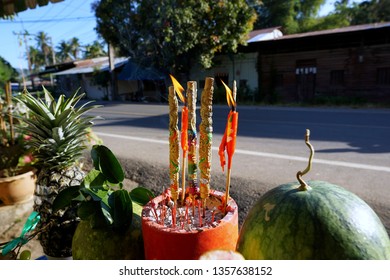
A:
x,y
261,154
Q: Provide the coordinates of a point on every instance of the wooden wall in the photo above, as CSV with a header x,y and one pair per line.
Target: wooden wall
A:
x,y
349,71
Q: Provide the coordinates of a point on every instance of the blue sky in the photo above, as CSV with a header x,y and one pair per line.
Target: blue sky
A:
x,y
61,21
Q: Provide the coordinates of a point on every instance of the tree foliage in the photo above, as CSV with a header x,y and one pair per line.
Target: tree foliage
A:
x,y
370,12
168,34
297,16
7,72
293,16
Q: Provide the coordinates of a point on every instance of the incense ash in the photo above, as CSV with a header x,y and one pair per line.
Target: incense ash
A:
x,y
190,216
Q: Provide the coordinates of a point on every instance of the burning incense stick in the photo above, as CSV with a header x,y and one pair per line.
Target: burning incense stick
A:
x,y
205,141
192,139
228,142
173,149
183,133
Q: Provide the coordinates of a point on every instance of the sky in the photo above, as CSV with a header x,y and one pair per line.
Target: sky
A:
x,y
61,21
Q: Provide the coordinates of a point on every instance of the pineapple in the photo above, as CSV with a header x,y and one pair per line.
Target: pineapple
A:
x,y
58,131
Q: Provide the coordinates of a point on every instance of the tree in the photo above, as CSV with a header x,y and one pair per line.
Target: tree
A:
x,y
75,47
294,16
169,34
7,72
370,12
64,51
96,49
43,39
341,17
37,59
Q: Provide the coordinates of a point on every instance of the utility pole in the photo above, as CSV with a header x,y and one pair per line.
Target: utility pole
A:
x,y
25,34
53,58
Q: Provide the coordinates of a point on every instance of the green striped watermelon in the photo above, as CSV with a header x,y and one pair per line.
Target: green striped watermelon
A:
x,y
323,222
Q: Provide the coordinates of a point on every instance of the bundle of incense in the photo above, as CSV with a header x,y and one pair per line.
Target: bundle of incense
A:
x,y
174,166
205,140
192,138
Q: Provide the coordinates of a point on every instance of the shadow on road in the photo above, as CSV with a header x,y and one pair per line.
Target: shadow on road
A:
x,y
363,131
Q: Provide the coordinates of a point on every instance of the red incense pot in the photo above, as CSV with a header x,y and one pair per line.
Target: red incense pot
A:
x,y
165,243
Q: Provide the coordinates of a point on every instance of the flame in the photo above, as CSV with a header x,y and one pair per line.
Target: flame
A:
x,y
178,89
229,96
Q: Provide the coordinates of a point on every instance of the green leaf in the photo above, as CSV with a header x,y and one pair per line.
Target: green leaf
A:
x,y
98,193
107,163
95,158
87,208
65,197
94,180
141,195
98,220
121,209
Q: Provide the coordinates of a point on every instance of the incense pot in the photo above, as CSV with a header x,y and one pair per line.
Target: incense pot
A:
x,y
185,222
167,243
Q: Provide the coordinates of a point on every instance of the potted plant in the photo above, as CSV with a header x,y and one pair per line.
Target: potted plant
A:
x,y
17,177
58,130
110,226
187,222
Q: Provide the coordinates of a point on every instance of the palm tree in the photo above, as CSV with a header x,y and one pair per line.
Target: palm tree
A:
x,y
43,39
75,47
64,51
95,49
37,59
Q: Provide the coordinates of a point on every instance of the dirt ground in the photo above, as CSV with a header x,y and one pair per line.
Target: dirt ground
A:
x,y
156,178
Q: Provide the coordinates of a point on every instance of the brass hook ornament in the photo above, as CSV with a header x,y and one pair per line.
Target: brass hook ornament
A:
x,y
304,186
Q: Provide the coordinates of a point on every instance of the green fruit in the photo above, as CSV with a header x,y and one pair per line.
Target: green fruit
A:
x,y
323,222
105,244
25,255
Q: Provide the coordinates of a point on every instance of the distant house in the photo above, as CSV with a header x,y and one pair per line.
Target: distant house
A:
x,y
352,62
240,67
95,76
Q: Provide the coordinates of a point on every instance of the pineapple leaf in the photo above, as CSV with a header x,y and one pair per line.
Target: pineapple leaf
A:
x,y
36,106
57,129
58,134
72,100
59,105
49,99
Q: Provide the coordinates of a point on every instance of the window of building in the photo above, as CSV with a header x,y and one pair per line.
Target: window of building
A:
x,y
383,76
337,77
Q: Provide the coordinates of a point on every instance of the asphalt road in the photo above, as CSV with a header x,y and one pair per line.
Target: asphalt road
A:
x,y
352,148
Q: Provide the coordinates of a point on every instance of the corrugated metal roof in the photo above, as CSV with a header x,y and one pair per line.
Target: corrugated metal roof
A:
x,y
338,30
12,7
91,65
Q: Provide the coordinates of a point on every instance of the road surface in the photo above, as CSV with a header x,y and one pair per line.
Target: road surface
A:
x,y
352,146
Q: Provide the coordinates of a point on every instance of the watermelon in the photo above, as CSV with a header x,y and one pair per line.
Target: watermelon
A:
x,y
323,222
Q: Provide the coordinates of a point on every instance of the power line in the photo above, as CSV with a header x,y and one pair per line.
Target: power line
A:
x,y
48,20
